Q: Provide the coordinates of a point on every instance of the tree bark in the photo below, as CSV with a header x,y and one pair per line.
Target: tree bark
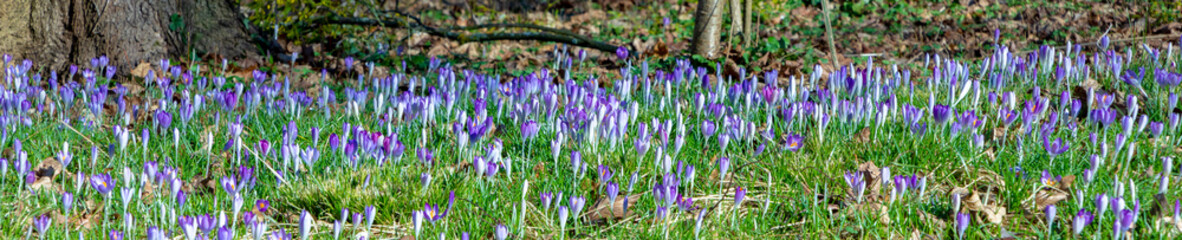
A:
x,y
750,30
736,7
59,33
707,28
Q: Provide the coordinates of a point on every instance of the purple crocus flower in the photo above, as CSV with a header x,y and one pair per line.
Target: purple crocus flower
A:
x,y
1082,219
264,147
622,53
188,226
262,205
1101,204
206,223
740,194
431,212
1133,79
856,183
1007,116
305,224
1051,211
115,235
613,190
280,234
576,159
67,203
501,232
942,113
356,220
225,233
156,233
229,184
962,223
336,229
1055,148
333,142
547,199
605,173
370,214
529,129
794,142
3,167
708,128
576,205
724,139
102,183
1124,221
42,224
64,155
1177,209
642,140
425,156
1155,129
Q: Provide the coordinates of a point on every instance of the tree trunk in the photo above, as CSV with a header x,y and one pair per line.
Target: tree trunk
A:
x,y
60,33
707,28
736,7
750,30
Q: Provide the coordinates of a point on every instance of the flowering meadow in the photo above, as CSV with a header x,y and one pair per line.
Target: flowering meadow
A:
x,y
1074,141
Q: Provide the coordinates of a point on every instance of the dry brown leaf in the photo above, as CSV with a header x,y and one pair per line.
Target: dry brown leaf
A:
x,y
601,211
589,16
1066,182
972,202
49,167
44,183
1048,196
871,175
994,214
200,185
863,136
661,50
141,70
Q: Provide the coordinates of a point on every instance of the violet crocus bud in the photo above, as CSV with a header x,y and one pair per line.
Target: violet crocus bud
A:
x,y
417,218
962,223
1173,122
1167,164
1101,204
370,214
334,142
1172,101
305,224
1051,211
1142,121
1104,42
67,203
563,214
1155,129
336,230
501,232
225,233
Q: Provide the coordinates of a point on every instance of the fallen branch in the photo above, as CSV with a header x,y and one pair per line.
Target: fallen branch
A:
x,y
544,34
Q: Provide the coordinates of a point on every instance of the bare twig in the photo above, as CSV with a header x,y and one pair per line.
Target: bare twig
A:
x,y
76,131
544,34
